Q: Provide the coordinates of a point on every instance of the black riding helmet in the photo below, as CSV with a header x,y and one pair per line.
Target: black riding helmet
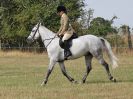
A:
x,y
61,8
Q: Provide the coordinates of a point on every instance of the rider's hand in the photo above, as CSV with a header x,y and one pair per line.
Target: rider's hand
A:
x,y
59,35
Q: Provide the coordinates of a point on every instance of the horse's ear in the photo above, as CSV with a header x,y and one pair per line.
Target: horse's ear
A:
x,y
38,24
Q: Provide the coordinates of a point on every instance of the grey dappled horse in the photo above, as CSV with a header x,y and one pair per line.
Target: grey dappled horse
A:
x,y
88,45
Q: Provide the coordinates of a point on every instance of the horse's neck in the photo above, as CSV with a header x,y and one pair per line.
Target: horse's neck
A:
x,y
46,35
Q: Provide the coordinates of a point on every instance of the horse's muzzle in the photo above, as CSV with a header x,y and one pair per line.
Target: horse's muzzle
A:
x,y
29,41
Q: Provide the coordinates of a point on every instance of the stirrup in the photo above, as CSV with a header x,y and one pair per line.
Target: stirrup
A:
x,y
67,54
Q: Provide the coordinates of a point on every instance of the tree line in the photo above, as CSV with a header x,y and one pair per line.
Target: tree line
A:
x,y
18,17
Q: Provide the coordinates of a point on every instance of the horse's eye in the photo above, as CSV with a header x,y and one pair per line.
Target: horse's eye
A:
x,y
33,30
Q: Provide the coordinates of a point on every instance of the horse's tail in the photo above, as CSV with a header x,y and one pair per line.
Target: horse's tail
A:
x,y
107,48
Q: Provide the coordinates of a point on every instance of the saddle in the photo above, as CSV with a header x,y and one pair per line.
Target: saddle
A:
x,y
69,41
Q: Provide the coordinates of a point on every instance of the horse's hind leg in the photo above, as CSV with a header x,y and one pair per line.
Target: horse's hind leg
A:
x,y
106,66
88,59
63,69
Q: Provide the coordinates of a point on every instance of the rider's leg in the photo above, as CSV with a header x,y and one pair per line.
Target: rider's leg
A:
x,y
66,36
67,51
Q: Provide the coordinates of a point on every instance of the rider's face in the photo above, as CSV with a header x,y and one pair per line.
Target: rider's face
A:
x,y
60,13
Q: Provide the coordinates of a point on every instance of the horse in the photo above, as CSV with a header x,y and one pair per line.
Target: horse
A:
x,y
88,46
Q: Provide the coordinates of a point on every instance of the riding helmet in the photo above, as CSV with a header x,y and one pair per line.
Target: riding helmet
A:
x,y
61,8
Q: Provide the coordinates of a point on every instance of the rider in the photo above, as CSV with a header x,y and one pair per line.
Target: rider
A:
x,y
66,30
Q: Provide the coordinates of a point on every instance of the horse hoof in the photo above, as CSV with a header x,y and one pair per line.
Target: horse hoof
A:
x,y
81,82
43,83
74,81
114,80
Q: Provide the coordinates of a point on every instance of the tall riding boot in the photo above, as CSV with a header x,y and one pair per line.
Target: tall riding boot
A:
x,y
67,51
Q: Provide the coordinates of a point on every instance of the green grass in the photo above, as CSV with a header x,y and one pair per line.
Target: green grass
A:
x,y
21,77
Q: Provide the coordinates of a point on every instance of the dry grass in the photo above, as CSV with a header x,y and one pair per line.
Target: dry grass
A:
x,y
21,75
14,53
123,51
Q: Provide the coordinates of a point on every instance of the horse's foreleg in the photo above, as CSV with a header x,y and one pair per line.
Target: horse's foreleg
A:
x,y
88,59
50,68
63,69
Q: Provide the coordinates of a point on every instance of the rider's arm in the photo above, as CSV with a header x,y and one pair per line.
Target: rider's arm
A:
x,y
65,24
59,30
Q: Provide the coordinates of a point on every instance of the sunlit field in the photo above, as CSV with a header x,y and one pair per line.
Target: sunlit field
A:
x,y
21,75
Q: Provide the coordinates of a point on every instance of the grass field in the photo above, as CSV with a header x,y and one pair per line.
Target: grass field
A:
x,y
21,75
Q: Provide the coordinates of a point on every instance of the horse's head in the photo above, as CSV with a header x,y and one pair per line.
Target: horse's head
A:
x,y
34,35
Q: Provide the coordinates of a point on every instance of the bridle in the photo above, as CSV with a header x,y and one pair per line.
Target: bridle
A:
x,y
32,37
44,39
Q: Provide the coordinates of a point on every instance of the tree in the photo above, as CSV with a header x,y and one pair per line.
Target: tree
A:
x,y
112,20
127,33
86,18
74,7
19,16
100,27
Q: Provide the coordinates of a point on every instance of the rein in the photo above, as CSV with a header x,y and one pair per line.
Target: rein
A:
x,y
50,41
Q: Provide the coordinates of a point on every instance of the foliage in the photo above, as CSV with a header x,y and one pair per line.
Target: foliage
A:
x,y
126,31
86,18
100,27
116,40
19,16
